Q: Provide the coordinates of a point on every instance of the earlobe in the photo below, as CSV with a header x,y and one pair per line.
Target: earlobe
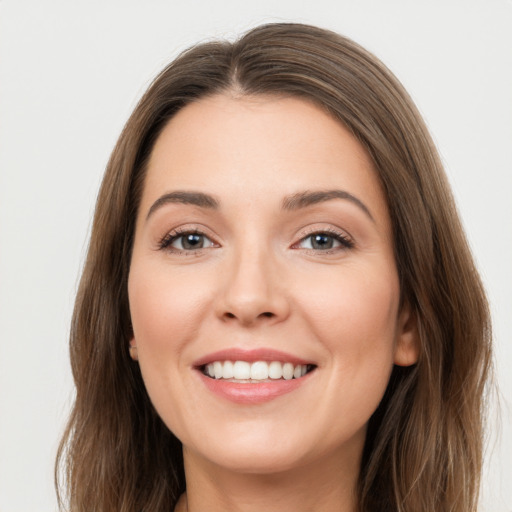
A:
x,y
408,343
133,350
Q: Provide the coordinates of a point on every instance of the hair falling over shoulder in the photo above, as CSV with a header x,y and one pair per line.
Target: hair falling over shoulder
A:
x,y
423,449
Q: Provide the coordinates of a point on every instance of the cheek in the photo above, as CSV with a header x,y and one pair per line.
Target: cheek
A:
x,y
165,312
355,316
355,319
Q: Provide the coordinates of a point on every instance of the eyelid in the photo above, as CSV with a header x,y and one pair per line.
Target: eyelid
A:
x,y
164,243
342,236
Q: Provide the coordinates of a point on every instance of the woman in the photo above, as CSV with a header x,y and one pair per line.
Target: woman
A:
x,y
279,309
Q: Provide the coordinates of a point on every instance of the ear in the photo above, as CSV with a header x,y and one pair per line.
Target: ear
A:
x,y
407,347
133,350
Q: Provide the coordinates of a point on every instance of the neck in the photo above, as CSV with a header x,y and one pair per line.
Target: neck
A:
x,y
326,486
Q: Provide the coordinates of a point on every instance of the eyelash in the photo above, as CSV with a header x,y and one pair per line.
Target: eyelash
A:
x,y
345,241
169,238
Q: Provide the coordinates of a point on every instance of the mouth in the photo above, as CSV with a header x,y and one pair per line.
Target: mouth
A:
x,y
255,372
250,377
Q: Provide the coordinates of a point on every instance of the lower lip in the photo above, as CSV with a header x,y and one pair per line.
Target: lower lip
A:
x,y
252,393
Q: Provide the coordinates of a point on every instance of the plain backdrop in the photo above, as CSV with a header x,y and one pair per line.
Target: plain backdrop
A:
x,y
71,72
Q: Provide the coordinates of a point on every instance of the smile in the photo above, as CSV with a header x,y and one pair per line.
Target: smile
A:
x,y
255,372
253,376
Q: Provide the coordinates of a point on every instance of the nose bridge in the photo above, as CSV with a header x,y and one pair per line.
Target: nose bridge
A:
x,y
252,290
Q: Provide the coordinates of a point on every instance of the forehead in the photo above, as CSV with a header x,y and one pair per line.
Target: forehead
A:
x,y
259,147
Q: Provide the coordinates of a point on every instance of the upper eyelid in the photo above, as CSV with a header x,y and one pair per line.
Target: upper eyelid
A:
x,y
312,230
345,239
164,242
300,236
190,228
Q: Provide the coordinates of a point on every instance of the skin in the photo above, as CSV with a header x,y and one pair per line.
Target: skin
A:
x,y
258,282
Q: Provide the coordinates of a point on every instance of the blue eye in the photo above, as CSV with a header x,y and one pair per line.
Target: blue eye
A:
x,y
325,241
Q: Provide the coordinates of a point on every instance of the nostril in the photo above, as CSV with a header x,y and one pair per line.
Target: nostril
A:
x,y
248,319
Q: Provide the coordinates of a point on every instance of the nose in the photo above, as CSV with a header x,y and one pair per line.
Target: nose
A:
x,y
253,290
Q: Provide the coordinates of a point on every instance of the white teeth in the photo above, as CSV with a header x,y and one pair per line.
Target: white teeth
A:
x,y
218,370
257,371
241,370
228,370
275,370
287,371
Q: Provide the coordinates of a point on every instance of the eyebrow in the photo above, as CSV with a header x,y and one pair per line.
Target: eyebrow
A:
x,y
293,202
312,197
184,197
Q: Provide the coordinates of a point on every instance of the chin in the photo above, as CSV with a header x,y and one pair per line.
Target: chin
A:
x,y
260,449
263,461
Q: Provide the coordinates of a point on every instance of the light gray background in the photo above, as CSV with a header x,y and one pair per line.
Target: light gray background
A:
x,y
71,72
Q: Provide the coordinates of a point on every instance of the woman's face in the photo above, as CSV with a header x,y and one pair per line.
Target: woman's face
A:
x,y
263,289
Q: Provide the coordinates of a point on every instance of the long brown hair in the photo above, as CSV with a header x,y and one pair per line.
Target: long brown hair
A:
x,y
424,444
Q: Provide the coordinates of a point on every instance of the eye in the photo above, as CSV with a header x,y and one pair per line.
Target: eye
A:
x,y
324,241
186,241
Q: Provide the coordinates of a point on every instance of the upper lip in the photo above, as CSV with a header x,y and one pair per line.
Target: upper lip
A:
x,y
259,354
